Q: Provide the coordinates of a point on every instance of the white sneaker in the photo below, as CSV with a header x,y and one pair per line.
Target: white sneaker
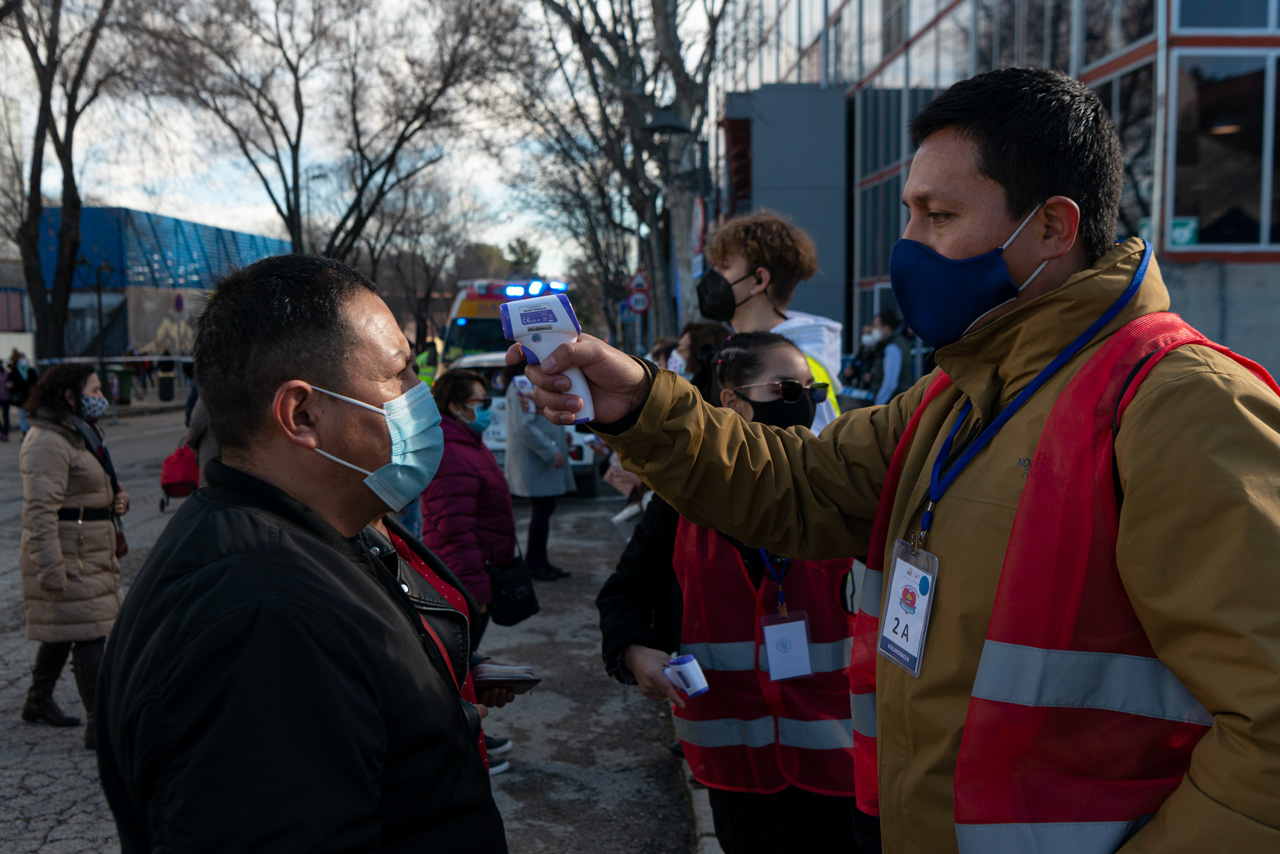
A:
x,y
499,767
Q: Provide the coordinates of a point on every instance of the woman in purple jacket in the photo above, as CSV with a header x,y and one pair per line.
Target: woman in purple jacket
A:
x,y
466,511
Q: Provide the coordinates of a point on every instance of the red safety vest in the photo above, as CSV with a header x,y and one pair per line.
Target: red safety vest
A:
x,y
1076,732
749,733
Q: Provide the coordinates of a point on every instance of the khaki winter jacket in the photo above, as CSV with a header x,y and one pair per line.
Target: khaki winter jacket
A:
x,y
70,575
1198,456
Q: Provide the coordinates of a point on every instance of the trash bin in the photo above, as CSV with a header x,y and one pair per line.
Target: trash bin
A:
x,y
164,385
120,378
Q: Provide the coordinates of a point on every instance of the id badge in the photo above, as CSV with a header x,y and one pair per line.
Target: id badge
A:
x,y
786,645
904,619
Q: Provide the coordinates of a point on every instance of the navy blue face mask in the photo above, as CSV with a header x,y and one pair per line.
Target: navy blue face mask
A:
x,y
941,298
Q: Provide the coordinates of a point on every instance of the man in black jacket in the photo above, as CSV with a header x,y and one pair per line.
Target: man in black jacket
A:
x,y
274,681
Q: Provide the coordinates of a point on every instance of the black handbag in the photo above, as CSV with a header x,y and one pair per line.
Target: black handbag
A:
x,y
514,599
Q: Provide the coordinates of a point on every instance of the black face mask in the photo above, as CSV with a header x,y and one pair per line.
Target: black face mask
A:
x,y
715,296
779,413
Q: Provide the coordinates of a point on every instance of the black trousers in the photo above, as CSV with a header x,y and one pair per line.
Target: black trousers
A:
x,y
792,821
540,510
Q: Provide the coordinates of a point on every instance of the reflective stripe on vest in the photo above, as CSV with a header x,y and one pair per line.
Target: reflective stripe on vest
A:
x,y
1012,673
864,714
731,732
1049,838
823,657
872,592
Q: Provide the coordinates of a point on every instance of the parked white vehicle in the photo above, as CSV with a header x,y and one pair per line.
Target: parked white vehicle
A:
x,y
582,459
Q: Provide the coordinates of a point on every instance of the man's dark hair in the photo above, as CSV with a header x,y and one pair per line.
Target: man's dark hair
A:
x,y
276,320
48,396
455,386
1039,134
890,318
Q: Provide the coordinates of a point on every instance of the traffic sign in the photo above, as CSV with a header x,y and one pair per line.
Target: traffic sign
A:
x,y
638,301
639,282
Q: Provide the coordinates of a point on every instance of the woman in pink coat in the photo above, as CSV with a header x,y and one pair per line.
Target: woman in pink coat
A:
x,y
466,511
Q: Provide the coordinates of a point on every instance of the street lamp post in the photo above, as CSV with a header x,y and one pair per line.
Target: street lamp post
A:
x,y
665,126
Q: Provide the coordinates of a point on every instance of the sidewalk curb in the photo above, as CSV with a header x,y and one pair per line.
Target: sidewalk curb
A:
x,y
704,829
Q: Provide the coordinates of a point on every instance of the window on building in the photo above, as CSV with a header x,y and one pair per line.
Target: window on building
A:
x,y
1112,25
849,61
892,82
922,60
953,45
872,38
1048,34
894,28
811,21
787,36
921,12
1217,195
1275,172
1217,15
870,211
1135,95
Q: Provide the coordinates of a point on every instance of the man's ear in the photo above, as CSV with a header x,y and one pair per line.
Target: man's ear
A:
x,y
763,278
1061,218
294,412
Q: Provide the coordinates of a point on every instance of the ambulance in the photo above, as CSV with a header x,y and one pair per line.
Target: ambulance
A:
x,y
474,324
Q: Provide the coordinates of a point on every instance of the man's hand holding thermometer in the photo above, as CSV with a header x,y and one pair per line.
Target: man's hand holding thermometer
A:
x,y
578,377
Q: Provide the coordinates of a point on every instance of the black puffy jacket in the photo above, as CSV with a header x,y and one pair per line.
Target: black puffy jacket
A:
x,y
268,687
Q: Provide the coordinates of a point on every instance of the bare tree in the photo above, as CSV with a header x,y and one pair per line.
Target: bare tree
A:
x,y
620,62
575,193
76,58
427,227
367,91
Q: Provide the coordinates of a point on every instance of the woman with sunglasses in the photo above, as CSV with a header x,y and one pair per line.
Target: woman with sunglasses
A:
x,y
466,511
773,749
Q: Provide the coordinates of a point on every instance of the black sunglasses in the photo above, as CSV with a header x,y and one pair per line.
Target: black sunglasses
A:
x,y
484,404
792,391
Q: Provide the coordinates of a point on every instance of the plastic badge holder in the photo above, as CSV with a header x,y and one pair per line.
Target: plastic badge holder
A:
x,y
685,673
540,325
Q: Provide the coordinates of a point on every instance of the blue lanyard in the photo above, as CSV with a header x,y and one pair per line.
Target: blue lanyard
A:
x,y
768,565
940,481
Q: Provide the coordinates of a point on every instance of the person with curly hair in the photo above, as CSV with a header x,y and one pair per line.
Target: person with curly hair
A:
x,y
757,260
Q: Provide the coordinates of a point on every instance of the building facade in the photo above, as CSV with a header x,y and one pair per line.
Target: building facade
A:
x,y
1191,84
146,272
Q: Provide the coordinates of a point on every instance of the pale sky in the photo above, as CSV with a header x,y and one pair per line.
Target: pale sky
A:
x,y
127,161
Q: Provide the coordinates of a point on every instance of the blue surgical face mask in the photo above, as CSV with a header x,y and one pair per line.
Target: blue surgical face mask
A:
x,y
941,298
677,364
484,417
417,443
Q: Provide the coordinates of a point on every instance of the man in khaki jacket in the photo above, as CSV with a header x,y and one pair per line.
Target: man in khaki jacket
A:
x,y
1032,154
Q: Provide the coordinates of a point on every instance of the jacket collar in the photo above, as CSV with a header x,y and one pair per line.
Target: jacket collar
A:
x,y
51,420
456,431
996,362
228,485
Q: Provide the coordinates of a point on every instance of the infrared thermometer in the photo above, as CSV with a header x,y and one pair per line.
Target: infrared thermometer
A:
x,y
684,672
541,324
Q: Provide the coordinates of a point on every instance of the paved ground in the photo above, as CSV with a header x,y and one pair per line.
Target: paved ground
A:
x,y
590,770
